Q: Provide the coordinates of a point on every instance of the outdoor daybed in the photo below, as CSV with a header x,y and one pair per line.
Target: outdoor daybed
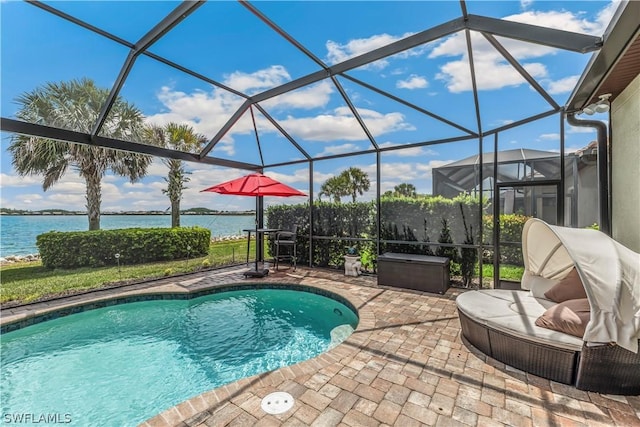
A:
x,y
577,321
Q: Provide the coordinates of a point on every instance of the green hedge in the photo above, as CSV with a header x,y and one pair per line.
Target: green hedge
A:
x,y
330,220
135,246
511,226
422,217
403,219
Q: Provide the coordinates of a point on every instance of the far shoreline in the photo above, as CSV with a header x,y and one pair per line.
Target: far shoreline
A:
x,y
243,213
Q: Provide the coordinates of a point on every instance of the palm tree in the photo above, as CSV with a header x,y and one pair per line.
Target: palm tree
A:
x,y
350,182
357,182
334,187
76,105
177,137
404,189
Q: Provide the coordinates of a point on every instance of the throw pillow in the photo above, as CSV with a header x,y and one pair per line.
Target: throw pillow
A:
x,y
570,287
570,317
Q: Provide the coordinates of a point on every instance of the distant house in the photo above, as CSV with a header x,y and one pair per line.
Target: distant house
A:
x,y
527,181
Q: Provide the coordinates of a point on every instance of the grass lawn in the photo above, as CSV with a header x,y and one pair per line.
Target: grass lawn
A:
x,y
507,272
27,282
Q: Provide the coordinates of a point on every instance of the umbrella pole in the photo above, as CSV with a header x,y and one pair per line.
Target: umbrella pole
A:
x,y
259,240
260,225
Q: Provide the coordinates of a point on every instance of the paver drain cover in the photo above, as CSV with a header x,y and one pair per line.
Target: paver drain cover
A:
x,y
277,402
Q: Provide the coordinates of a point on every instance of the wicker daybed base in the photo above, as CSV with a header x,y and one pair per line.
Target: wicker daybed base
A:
x,y
602,369
609,369
545,361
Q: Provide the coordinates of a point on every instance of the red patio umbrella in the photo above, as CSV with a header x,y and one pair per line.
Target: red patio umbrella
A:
x,y
257,185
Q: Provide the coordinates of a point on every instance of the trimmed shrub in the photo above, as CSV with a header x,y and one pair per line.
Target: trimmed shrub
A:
x,y
511,226
468,256
445,237
390,231
134,245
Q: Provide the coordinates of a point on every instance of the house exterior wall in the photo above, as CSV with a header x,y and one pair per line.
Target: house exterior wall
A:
x,y
588,196
625,169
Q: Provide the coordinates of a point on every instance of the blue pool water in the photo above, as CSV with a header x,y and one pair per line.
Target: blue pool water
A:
x,y
123,364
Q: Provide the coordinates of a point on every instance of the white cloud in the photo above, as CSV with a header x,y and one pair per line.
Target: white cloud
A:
x,y
604,16
324,127
426,168
339,149
380,124
30,198
406,152
18,181
502,122
563,85
321,177
70,184
157,168
397,171
206,112
66,201
312,96
299,176
492,70
258,80
550,137
413,82
491,74
568,21
574,129
337,52
341,125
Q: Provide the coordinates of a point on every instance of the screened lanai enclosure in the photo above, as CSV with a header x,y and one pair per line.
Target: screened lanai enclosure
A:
x,y
303,91
517,165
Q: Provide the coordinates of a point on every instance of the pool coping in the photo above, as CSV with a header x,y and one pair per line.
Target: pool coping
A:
x,y
17,322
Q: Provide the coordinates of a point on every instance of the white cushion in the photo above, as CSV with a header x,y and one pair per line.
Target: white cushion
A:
x,y
514,313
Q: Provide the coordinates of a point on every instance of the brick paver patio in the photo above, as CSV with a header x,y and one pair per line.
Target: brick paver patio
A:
x,y
405,365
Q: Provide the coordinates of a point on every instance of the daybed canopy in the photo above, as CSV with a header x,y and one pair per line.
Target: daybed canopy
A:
x,y
609,271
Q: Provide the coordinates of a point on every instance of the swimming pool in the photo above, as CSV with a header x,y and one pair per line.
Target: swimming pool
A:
x,y
123,364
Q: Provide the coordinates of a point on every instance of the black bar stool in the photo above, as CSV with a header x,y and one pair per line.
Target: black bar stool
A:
x,y
286,239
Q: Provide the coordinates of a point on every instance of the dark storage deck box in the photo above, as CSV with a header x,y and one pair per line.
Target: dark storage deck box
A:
x,y
419,272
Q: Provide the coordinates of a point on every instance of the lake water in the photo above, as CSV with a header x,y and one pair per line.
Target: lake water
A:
x,y
18,233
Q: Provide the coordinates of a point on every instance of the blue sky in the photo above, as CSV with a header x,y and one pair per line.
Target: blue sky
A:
x,y
225,42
